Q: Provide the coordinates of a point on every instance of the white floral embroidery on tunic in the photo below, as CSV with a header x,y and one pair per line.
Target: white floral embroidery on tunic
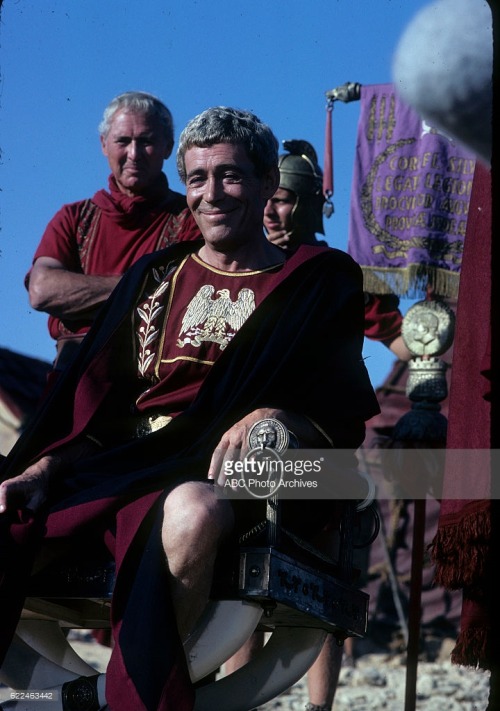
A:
x,y
148,333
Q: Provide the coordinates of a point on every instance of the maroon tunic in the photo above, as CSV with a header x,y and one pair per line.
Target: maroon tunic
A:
x,y
204,309
313,303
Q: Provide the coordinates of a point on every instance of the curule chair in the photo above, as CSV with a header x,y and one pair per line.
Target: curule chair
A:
x,y
272,581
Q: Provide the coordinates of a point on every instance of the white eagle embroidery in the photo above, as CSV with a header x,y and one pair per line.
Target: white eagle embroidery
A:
x,y
216,320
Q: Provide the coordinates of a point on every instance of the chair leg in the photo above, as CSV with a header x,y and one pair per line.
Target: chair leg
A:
x,y
222,629
47,638
286,657
25,668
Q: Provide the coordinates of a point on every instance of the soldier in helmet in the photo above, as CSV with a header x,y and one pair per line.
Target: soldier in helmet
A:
x,y
294,214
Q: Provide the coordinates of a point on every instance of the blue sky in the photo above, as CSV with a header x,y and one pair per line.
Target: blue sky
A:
x,y
61,61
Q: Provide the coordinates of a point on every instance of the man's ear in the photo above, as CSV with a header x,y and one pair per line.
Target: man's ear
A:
x,y
103,146
270,182
168,150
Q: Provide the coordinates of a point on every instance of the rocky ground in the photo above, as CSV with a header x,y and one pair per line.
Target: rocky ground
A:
x,y
376,681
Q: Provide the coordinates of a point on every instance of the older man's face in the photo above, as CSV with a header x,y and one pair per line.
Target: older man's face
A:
x,y
226,197
135,147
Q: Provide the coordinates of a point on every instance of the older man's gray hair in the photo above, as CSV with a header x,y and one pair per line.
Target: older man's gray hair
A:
x,y
142,103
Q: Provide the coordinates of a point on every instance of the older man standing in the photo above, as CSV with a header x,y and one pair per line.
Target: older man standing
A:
x,y
198,343
89,244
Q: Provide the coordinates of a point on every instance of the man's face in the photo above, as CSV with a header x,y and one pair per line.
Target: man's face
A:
x,y
267,437
225,196
278,211
135,147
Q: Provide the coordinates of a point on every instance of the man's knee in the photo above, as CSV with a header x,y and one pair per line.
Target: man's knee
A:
x,y
194,512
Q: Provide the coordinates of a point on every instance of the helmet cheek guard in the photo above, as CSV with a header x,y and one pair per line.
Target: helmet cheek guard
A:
x,y
307,215
300,173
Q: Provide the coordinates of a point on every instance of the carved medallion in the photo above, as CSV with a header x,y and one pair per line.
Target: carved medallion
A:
x,y
428,328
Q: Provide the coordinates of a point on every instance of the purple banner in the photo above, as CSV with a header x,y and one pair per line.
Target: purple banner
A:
x,y
409,200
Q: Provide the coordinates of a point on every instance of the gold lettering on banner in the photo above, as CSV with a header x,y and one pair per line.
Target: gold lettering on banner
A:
x,y
443,184
465,166
381,119
377,125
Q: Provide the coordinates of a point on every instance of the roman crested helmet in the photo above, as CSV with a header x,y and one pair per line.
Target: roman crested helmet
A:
x,y
300,173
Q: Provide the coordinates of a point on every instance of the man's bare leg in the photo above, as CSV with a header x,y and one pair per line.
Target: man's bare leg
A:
x,y
195,522
322,677
245,653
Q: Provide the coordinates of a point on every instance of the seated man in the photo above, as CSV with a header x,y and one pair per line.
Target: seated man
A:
x,y
196,344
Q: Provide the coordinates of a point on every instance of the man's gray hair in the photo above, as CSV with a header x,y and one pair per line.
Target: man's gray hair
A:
x,y
222,124
142,103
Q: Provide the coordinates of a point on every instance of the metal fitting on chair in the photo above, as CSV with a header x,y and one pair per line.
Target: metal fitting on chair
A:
x,y
81,694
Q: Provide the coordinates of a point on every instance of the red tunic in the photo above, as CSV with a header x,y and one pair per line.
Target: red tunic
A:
x,y
383,318
108,233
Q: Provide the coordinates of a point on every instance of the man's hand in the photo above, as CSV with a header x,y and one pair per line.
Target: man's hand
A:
x,y
233,445
280,238
29,490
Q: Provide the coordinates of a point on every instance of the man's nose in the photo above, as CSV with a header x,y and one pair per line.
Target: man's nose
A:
x,y
134,149
213,189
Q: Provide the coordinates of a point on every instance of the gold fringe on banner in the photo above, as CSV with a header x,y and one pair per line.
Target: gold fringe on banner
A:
x,y
411,282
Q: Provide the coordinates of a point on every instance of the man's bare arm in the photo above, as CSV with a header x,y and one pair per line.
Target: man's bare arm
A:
x,y
399,348
59,292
